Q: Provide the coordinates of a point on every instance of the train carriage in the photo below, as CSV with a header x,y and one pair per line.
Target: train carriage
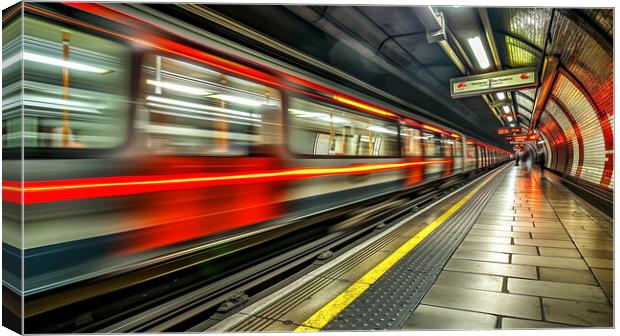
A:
x,y
141,140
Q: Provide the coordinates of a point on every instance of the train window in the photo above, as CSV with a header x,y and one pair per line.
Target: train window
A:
x,y
432,145
470,150
193,110
448,146
458,147
316,129
412,141
75,89
11,83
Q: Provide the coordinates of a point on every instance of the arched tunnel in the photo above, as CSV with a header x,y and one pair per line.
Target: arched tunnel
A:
x,y
237,167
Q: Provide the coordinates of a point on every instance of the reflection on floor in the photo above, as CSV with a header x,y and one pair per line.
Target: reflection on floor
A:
x,y
538,256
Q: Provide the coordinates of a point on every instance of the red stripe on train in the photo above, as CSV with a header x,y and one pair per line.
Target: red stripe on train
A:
x,y
62,190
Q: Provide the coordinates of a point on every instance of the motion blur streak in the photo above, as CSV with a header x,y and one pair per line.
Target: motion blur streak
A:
x,y
51,191
365,107
112,14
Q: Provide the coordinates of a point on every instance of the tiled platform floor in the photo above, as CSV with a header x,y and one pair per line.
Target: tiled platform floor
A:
x,y
537,257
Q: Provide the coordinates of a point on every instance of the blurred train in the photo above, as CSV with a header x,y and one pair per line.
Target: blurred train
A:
x,y
142,138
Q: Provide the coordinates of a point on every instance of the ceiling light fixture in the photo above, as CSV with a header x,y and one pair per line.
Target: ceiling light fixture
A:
x,y
191,105
62,63
178,87
238,100
318,115
380,129
475,43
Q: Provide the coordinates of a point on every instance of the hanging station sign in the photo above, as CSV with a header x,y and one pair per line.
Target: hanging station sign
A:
x,y
519,139
490,82
508,130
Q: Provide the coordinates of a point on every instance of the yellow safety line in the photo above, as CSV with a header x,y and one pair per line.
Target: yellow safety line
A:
x,y
320,319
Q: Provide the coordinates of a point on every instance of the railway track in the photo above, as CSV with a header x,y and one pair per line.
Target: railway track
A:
x,y
214,283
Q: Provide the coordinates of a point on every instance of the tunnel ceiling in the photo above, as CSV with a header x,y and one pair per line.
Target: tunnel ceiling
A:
x,y
388,48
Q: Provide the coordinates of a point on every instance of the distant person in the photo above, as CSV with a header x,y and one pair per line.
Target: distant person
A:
x,y
542,166
517,159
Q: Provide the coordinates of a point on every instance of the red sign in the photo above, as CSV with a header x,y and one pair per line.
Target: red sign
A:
x,y
522,138
508,130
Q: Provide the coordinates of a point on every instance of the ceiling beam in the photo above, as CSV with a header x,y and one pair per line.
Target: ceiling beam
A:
x,y
547,78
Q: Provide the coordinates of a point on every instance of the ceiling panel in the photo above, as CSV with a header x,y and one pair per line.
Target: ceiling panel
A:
x,y
527,24
603,18
394,20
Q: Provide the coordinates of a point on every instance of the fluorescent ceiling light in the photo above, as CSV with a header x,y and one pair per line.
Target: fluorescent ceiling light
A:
x,y
380,129
11,60
478,49
510,118
183,115
304,114
506,109
198,106
501,96
62,63
47,105
318,115
238,100
58,101
512,125
178,87
183,109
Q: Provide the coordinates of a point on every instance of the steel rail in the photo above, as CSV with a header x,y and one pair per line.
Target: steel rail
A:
x,y
185,311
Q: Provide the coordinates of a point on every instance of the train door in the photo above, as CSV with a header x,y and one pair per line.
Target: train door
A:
x,y
413,150
321,136
194,121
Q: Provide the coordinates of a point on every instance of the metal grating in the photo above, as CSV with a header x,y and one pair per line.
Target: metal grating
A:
x,y
389,302
275,312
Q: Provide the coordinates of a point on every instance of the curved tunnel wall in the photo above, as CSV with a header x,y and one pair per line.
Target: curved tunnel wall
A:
x,y
578,135
577,122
